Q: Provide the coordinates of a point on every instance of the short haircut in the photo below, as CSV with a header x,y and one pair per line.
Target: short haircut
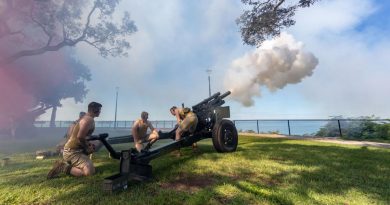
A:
x,y
82,114
144,114
94,107
173,108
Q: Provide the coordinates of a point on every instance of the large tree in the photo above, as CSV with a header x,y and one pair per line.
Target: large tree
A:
x,y
266,18
33,27
31,74
65,81
39,83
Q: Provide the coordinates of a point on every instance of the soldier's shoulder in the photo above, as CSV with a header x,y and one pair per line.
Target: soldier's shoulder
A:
x,y
137,121
87,119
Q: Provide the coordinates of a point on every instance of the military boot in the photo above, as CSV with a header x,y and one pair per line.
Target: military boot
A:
x,y
59,167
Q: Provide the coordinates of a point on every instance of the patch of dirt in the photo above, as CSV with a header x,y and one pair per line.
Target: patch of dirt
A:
x,y
222,199
256,178
189,183
262,135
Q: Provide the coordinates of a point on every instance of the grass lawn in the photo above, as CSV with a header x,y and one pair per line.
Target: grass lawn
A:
x,y
261,171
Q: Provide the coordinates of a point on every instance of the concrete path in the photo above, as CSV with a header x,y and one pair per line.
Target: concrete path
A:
x,y
325,139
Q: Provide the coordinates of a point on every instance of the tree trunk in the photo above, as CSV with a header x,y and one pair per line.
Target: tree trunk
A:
x,y
53,117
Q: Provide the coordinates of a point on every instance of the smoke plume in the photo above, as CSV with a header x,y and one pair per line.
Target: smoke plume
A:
x,y
275,64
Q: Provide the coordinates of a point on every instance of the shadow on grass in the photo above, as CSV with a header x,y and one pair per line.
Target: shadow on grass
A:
x,y
332,169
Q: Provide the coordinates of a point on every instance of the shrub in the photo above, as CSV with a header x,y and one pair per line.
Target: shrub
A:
x,y
359,128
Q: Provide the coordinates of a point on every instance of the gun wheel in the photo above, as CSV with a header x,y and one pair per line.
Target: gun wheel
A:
x,y
225,137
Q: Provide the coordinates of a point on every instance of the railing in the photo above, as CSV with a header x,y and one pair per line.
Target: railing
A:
x,y
160,124
304,127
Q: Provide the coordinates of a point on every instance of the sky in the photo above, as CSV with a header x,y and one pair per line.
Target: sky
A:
x,y
348,45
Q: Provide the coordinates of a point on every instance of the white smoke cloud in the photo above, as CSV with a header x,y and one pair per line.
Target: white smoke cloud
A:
x,y
275,64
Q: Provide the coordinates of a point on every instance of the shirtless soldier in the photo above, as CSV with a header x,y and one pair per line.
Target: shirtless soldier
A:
x,y
139,130
76,161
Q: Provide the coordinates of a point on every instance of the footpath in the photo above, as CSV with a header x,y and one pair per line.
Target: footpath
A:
x,y
336,140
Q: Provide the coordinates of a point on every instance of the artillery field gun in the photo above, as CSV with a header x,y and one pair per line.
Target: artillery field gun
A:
x,y
212,123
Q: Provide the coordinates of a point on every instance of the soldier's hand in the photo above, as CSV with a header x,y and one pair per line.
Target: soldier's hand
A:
x,y
91,148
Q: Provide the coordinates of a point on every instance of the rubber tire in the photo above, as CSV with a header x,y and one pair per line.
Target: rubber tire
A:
x,y
225,137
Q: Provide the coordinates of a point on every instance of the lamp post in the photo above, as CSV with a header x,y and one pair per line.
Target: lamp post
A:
x,y
116,104
209,73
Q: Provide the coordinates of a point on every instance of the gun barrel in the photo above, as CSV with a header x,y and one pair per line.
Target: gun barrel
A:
x,y
225,94
207,99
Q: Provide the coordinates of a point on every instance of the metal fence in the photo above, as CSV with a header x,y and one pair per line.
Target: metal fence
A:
x,y
160,124
303,127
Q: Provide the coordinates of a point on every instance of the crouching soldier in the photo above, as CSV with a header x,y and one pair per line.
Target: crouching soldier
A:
x,y
139,130
186,119
187,122
75,156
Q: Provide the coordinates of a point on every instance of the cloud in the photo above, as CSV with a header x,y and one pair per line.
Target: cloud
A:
x,y
352,77
177,41
331,16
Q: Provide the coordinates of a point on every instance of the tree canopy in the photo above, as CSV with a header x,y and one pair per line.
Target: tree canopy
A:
x,y
266,18
31,74
33,27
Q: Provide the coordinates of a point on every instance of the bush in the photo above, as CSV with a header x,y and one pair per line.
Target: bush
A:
x,y
383,131
275,132
359,128
251,131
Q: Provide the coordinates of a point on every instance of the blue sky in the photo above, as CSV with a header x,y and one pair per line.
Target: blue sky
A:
x,y
178,40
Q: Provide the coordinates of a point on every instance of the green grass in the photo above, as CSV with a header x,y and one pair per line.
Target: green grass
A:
x,y
261,171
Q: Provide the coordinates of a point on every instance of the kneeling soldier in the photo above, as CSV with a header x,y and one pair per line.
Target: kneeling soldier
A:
x,y
75,157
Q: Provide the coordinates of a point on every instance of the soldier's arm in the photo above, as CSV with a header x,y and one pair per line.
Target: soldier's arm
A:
x,y
85,125
177,116
150,126
69,132
134,130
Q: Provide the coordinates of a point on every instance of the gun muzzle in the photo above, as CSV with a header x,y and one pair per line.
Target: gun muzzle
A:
x,y
208,99
225,94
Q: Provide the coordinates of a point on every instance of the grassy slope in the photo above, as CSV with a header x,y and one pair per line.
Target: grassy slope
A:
x,y
261,171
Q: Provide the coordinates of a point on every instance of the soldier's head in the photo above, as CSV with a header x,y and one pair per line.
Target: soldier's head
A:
x,y
144,116
94,108
172,110
82,114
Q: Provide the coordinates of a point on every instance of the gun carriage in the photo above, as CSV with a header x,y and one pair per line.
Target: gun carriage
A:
x,y
212,123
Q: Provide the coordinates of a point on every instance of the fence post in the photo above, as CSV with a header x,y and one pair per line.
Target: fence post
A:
x,y
341,134
257,122
289,130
